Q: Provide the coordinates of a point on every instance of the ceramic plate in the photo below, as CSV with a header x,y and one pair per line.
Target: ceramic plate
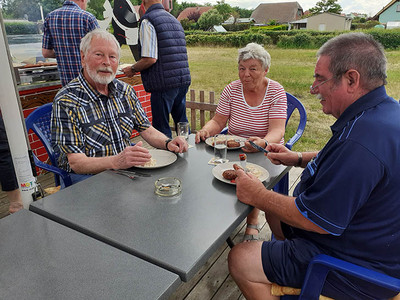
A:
x,y
256,170
210,141
160,158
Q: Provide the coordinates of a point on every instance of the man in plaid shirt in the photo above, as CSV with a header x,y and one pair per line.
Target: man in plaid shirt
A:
x,y
94,115
63,30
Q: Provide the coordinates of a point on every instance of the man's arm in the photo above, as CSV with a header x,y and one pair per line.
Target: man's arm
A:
x,y
251,191
48,53
142,64
159,140
130,156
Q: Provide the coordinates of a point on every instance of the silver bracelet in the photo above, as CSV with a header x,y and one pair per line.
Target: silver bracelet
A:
x,y
300,159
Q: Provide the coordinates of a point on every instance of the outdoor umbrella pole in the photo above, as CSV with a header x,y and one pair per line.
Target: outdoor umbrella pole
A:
x,y
14,122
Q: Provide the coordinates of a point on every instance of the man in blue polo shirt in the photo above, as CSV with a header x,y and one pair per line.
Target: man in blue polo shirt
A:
x,y
347,202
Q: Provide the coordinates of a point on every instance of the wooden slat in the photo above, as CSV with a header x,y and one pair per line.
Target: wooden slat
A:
x,y
212,101
202,118
192,111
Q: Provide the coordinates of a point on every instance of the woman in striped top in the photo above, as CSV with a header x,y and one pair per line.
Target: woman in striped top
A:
x,y
254,107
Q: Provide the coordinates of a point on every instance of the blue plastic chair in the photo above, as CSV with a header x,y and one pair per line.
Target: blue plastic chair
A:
x,y
292,103
322,264
39,122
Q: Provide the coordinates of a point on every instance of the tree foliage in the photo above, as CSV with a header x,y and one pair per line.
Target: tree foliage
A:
x,y
243,12
209,19
330,6
223,9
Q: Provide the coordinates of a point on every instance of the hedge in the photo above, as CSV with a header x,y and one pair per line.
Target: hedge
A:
x,y
226,40
14,28
308,39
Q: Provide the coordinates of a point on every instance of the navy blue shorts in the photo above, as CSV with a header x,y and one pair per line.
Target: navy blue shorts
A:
x,y
285,263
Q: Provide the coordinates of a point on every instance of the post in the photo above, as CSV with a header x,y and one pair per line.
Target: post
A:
x,y
14,122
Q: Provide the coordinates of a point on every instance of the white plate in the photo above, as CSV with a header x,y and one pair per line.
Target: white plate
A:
x,y
210,141
258,171
162,157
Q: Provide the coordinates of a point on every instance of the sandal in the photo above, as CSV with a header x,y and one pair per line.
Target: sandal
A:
x,y
252,237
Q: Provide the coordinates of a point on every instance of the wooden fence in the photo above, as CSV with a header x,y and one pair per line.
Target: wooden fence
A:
x,y
199,112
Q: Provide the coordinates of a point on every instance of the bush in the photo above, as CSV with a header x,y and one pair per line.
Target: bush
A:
x,y
226,39
14,28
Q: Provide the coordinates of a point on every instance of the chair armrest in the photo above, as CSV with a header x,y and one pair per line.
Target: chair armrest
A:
x,y
289,144
320,266
63,174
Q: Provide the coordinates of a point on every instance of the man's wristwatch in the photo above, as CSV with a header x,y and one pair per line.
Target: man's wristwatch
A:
x,y
133,69
167,142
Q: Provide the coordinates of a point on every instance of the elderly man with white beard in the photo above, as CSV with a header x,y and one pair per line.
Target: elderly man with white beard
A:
x,y
94,115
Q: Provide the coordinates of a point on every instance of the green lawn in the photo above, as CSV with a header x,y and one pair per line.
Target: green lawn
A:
x,y
213,68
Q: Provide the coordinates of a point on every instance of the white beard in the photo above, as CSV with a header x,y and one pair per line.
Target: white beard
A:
x,y
101,79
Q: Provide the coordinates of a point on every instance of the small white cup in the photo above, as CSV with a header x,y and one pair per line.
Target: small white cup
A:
x,y
183,129
220,148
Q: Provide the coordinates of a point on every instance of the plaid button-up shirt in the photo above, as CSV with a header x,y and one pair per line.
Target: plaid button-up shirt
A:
x,y
85,121
63,30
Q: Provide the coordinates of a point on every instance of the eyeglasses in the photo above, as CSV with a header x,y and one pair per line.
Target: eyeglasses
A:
x,y
312,88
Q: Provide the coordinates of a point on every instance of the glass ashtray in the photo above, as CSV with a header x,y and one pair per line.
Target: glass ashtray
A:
x,y
168,186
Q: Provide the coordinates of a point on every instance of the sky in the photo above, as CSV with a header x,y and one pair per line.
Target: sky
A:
x,y
369,7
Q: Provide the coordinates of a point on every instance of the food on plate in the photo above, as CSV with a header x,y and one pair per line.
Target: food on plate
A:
x,y
151,163
242,157
233,144
229,174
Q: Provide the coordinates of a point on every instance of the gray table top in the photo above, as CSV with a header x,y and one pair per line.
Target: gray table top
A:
x,y
178,234
41,259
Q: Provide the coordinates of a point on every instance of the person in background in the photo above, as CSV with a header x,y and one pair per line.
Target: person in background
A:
x,y
8,179
254,107
163,65
347,202
94,115
63,30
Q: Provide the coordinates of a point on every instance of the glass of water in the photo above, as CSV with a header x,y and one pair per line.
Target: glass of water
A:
x,y
220,148
183,129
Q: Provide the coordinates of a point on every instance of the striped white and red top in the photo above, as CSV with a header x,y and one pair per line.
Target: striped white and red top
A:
x,y
245,120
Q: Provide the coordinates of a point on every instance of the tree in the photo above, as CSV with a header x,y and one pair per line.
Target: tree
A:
x,y
194,16
209,19
243,12
223,9
326,6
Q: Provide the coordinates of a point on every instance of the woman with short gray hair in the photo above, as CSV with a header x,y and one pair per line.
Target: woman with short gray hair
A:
x,y
254,107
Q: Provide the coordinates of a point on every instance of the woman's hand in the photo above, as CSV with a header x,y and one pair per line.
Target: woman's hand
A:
x,y
249,148
201,135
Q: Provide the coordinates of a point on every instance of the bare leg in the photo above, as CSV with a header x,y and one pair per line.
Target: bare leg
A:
x,y
15,199
245,267
252,218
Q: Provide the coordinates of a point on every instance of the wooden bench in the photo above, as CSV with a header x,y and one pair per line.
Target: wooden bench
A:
x,y
200,112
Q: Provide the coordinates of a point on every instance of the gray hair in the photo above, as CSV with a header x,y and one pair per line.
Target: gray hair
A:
x,y
357,51
255,51
101,34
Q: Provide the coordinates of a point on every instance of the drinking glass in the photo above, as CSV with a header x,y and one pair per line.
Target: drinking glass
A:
x,y
220,148
183,129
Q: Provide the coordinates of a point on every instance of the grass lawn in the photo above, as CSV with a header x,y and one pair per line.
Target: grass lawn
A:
x,y
212,68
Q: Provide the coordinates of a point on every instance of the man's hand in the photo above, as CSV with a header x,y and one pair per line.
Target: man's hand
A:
x,y
178,145
280,155
201,135
248,187
128,71
132,156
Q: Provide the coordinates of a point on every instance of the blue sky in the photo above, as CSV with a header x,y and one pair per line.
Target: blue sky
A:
x,y
361,6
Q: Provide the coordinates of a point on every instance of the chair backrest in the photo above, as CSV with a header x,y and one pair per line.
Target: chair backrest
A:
x,y
39,122
292,104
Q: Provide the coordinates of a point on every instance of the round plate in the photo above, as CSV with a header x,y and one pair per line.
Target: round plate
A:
x,y
256,170
162,157
210,141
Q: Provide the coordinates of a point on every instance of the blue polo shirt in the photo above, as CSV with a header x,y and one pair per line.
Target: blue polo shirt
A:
x,y
352,188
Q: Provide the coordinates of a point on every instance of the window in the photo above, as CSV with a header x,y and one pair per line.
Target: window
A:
x,y
398,8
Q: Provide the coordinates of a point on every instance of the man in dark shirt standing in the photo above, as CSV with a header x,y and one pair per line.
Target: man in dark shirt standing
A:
x,y
163,65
